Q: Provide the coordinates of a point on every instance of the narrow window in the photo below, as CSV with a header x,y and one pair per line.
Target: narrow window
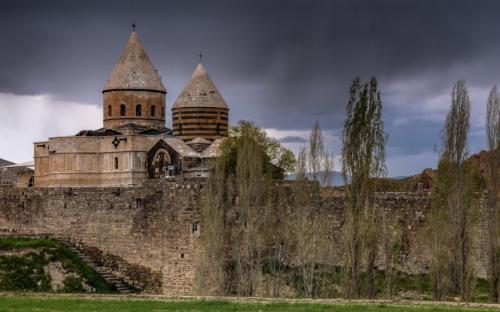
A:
x,y
162,112
122,110
195,229
109,110
153,111
116,162
138,110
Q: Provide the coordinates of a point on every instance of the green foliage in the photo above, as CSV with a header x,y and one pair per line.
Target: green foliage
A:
x,y
278,158
73,284
363,158
21,273
7,243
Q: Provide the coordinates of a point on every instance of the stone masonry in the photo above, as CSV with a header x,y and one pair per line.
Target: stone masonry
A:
x,y
148,234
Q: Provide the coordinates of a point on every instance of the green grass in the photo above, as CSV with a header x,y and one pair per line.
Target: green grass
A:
x,y
55,304
25,273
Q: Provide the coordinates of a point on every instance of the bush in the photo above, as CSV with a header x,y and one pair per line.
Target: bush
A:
x,y
73,284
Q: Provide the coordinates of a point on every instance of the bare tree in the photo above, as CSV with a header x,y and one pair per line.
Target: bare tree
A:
x,y
302,226
363,157
211,269
493,136
440,230
309,227
391,231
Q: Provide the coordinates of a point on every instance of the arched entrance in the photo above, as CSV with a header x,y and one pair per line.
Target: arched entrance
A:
x,y
161,161
161,164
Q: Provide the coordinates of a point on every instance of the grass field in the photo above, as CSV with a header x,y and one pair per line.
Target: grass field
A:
x,y
53,303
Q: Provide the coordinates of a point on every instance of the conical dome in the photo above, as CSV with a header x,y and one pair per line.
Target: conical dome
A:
x,y
200,110
134,70
200,91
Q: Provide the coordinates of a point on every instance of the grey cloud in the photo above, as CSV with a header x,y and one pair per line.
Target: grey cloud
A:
x,y
283,64
292,139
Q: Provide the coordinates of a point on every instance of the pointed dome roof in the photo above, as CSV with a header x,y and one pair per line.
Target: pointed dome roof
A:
x,y
134,69
200,91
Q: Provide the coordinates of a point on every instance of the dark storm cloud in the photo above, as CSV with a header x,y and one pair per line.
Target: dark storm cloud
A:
x,y
283,64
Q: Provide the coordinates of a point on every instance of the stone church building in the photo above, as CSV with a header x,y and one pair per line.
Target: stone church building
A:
x,y
134,143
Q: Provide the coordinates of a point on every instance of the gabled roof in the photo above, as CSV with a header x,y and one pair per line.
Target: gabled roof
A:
x,y
181,147
199,140
4,162
98,132
200,91
213,150
134,69
28,164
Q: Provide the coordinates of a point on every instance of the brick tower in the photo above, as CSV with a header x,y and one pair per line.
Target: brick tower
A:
x,y
200,110
134,92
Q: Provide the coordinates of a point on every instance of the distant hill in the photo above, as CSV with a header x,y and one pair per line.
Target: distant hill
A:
x,y
421,181
336,179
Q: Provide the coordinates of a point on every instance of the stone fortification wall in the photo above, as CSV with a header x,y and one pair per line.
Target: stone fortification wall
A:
x,y
146,228
149,234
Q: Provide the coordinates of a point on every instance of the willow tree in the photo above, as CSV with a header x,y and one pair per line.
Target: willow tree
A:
x,y
363,157
493,136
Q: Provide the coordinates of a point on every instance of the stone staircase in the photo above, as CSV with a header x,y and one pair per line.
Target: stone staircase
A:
x,y
120,285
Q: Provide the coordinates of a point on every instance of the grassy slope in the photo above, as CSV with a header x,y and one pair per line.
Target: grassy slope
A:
x,y
25,272
54,304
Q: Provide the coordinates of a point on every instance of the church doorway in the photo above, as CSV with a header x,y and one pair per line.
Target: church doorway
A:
x,y
161,165
162,161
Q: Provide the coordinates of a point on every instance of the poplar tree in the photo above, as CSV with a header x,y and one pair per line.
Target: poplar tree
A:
x,y
493,136
363,157
457,202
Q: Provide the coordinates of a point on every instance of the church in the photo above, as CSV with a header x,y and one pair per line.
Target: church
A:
x,y
134,143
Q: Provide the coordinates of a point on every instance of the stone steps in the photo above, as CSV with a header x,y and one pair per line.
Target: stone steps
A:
x,y
106,273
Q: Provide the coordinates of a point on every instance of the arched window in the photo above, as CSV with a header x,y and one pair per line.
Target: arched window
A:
x,y
138,110
109,110
122,110
116,162
153,111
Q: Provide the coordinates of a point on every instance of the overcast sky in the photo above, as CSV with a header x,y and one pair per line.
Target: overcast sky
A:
x,y
282,64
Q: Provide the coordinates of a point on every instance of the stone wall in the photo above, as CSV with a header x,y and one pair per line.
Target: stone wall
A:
x,y
147,227
146,234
